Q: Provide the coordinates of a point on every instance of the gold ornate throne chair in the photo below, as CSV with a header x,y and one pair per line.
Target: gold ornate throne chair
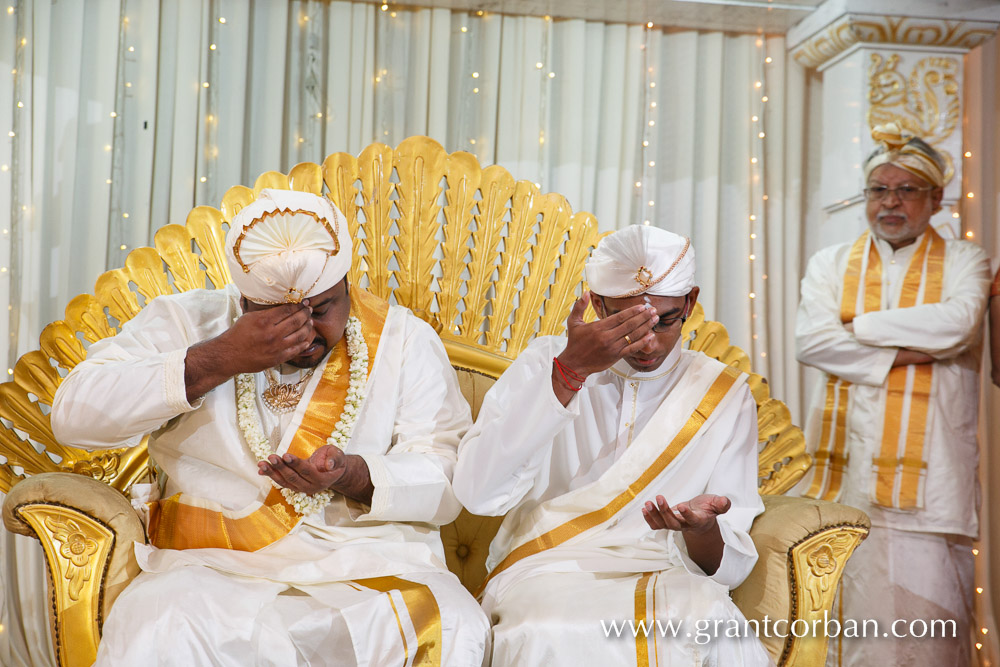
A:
x,y
490,262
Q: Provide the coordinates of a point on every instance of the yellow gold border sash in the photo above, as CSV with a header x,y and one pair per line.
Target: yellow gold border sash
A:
x,y
641,640
560,534
175,524
424,614
927,267
830,458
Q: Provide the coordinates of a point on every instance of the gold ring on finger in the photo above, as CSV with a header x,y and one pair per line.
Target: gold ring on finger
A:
x,y
627,339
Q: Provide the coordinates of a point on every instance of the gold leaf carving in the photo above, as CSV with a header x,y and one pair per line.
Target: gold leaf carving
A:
x,y
464,178
204,224
113,291
420,166
306,177
496,188
375,165
173,243
78,550
340,172
59,342
102,467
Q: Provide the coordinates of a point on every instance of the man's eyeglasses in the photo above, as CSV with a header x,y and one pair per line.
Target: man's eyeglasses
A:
x,y
664,324
904,192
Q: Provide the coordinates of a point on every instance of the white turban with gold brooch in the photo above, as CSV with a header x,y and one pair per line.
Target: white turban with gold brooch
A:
x,y
288,246
641,260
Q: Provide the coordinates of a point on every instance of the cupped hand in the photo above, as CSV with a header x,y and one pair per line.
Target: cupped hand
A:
x,y
317,473
697,515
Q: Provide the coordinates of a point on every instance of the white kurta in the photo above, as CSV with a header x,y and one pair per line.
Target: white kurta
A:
x,y
407,431
526,448
950,331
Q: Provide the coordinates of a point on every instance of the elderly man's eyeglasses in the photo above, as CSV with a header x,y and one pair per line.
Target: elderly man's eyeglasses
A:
x,y
664,324
904,192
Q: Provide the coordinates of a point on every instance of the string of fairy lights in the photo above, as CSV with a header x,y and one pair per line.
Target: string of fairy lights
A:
x,y
758,198
19,211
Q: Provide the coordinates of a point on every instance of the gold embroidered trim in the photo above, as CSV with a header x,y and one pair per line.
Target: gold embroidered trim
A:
x,y
646,282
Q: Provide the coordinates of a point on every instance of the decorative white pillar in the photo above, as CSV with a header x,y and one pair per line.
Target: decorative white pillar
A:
x,y
878,68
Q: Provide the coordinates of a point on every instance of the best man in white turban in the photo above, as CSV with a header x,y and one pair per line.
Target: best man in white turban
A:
x,y
893,320
307,432
623,504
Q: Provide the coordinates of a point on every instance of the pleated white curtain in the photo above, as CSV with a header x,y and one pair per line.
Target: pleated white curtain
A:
x,y
119,116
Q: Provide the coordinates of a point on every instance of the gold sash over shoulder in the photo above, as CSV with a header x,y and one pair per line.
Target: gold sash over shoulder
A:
x,y
576,526
897,478
176,524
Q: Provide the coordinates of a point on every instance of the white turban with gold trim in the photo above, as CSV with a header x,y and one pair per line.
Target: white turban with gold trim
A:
x,y
288,246
910,153
641,260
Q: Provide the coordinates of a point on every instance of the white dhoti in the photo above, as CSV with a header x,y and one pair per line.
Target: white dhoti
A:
x,y
664,618
918,588
197,616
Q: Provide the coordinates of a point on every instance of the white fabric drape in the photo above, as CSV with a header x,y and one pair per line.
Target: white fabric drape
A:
x,y
115,133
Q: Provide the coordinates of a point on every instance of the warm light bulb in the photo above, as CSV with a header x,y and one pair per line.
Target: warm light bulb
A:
x,y
753,160
760,134
125,215
649,25
552,75
222,19
968,153
970,195
465,29
475,75
539,65
764,99
768,60
753,295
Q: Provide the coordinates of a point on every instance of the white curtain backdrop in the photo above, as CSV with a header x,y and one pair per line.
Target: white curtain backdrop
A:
x,y
119,116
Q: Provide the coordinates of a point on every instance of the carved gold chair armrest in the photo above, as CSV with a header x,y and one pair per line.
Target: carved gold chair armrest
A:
x,y
803,545
86,529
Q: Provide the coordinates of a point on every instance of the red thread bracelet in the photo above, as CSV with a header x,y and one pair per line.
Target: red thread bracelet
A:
x,y
563,370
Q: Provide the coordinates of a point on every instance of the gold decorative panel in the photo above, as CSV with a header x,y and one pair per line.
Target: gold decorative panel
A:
x,y
816,566
76,549
852,29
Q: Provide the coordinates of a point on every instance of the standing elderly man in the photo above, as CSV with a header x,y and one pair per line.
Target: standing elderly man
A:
x,y
307,433
627,468
894,322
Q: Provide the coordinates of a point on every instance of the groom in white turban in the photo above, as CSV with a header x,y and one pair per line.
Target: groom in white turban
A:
x,y
306,432
627,470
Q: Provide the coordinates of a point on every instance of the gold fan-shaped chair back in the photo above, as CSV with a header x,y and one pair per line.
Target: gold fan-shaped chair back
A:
x,y
489,261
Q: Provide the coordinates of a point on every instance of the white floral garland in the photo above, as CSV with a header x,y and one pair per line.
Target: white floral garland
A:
x,y
249,419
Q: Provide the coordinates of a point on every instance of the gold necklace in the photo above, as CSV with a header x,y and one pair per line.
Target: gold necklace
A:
x,y
283,397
